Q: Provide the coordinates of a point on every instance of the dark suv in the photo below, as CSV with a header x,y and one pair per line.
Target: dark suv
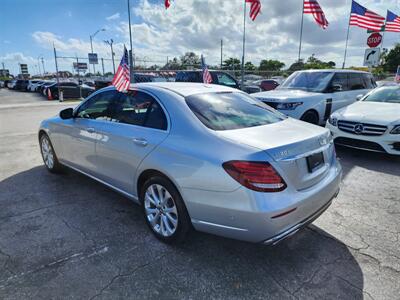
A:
x,y
218,77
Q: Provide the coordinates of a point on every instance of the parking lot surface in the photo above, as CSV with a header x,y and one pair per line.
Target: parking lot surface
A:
x,y
67,236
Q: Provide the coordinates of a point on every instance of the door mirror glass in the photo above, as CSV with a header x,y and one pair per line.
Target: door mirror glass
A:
x,y
67,113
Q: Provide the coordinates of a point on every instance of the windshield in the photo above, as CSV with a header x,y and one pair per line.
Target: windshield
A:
x,y
308,81
389,94
225,111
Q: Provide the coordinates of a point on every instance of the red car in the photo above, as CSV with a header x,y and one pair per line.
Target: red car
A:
x,y
267,84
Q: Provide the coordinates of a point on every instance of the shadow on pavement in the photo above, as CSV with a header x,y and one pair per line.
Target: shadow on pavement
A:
x,y
69,236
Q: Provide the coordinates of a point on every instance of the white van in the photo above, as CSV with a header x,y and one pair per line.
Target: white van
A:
x,y
313,95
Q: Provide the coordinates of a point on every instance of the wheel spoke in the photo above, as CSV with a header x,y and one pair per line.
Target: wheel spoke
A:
x,y
150,199
172,219
155,219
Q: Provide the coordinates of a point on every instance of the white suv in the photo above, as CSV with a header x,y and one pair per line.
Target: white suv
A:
x,y
313,95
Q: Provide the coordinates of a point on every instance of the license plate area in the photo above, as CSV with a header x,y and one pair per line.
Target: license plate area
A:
x,y
315,161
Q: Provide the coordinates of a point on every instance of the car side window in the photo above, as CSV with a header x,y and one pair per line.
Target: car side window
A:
x,y
368,81
342,80
356,82
156,117
224,79
131,108
97,107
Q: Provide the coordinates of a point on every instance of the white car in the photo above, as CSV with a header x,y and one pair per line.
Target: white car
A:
x,y
371,124
32,85
313,95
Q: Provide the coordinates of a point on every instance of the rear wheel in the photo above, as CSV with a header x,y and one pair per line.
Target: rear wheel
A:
x,y
164,210
48,154
310,117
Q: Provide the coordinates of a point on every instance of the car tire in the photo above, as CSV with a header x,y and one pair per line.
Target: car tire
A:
x,y
310,117
164,210
49,155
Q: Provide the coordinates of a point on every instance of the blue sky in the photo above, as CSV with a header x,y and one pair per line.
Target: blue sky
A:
x,y
30,27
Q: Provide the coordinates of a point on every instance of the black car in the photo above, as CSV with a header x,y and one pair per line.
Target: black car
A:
x,y
21,85
70,90
218,77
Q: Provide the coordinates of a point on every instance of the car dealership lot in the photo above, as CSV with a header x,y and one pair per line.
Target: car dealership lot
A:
x,y
68,236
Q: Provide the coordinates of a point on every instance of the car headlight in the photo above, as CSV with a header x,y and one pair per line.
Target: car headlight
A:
x,y
332,121
289,105
396,130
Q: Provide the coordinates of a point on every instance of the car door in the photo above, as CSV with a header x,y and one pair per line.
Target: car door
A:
x,y
138,125
357,86
82,132
339,92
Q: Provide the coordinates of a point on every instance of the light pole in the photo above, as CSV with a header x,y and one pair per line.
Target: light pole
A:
x,y
110,43
38,59
91,45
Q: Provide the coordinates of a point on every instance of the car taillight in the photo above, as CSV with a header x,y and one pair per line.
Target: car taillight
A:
x,y
257,176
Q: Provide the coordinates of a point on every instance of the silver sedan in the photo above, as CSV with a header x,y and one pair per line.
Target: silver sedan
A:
x,y
202,156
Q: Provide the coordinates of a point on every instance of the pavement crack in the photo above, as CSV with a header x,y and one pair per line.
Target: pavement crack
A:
x,y
81,232
119,275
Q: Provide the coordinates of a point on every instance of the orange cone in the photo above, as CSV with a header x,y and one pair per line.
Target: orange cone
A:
x,y
49,96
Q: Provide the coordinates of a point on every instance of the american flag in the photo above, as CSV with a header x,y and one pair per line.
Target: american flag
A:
x,y
122,78
206,74
364,18
167,4
392,22
255,8
312,7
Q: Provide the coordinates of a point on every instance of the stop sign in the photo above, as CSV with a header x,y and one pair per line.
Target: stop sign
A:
x,y
374,40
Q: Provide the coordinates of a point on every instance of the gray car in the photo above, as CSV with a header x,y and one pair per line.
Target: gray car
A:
x,y
203,156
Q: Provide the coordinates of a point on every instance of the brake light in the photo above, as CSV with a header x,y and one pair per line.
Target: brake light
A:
x,y
257,176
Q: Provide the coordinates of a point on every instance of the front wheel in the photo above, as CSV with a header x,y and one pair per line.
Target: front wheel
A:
x,y
164,210
48,154
310,117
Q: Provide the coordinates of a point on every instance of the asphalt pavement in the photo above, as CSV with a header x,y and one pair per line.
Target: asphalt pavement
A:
x,y
69,237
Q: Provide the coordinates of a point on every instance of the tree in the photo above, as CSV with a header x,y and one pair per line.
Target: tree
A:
x,y
231,64
190,59
271,65
248,66
392,59
315,63
299,65
173,64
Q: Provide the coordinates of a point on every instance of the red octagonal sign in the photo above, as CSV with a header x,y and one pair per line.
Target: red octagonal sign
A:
x,y
374,40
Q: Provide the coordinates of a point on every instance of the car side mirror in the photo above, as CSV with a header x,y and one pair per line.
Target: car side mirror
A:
x,y
337,87
67,113
359,97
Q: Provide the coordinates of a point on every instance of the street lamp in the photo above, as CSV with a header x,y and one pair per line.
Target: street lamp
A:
x,y
110,43
91,44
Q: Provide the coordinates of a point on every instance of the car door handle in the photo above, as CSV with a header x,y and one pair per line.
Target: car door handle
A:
x,y
140,142
90,129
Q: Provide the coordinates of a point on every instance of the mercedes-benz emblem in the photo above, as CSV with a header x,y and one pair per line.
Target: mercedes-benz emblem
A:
x,y
359,128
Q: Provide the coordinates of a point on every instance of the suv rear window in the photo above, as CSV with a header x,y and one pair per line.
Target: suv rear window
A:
x,y
225,111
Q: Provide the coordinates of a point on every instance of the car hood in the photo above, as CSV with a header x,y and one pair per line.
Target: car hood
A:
x,y
279,95
370,112
289,137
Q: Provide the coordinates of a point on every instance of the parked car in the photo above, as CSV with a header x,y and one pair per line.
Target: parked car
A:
x,y
145,77
313,95
203,155
267,84
218,77
373,123
32,85
2,84
21,85
11,84
71,90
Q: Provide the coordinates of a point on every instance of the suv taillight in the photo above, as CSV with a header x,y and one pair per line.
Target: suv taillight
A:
x,y
257,176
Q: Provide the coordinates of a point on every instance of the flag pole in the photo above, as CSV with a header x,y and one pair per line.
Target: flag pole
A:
x,y
347,38
301,30
130,41
244,42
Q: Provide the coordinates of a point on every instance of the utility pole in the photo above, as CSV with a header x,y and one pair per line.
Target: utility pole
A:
x,y
38,59
91,46
102,65
110,43
44,72
222,46
131,65
58,81
244,44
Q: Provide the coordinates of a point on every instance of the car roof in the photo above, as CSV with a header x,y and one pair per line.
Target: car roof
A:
x,y
185,88
336,71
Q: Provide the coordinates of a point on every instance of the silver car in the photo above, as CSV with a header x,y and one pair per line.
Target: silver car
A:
x,y
203,156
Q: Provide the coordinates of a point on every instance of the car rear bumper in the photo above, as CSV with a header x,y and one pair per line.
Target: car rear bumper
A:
x,y
386,143
261,217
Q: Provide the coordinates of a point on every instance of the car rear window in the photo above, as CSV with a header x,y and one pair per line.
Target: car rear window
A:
x,y
225,111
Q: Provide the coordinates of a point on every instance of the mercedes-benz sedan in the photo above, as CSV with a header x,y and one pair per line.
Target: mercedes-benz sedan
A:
x,y
203,156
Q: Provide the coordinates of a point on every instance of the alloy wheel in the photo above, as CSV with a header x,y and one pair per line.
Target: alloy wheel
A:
x,y
47,153
161,211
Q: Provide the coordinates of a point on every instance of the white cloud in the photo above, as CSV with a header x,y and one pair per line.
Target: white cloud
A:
x,y
113,17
